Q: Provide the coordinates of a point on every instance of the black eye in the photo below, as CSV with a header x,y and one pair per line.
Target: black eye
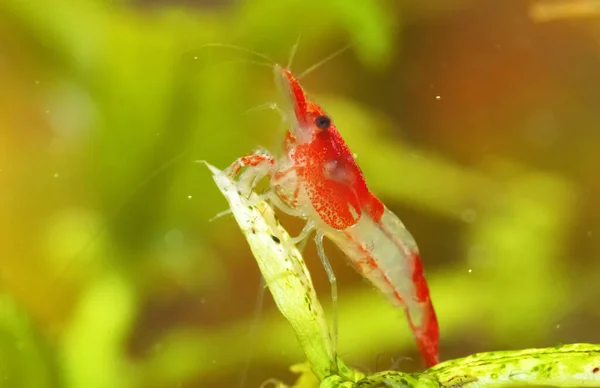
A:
x,y
323,122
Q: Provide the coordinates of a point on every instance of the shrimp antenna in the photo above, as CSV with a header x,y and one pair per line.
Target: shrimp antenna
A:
x,y
239,48
293,52
247,61
265,106
323,61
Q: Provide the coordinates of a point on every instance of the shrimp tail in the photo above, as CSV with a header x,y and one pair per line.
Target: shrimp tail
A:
x,y
422,318
385,253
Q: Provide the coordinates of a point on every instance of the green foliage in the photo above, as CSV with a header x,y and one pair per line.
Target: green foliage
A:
x,y
97,335
26,359
112,275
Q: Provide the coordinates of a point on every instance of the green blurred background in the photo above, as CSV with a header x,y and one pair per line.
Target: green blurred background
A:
x,y
476,121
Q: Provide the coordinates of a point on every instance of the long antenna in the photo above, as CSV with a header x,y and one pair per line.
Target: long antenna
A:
x,y
323,61
239,48
293,52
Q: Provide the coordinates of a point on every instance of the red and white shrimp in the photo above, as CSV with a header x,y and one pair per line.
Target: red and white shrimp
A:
x,y
319,180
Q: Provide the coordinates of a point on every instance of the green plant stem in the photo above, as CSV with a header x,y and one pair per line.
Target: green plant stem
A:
x,y
287,277
576,365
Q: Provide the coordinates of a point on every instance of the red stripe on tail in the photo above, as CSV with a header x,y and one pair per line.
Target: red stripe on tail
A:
x,y
428,335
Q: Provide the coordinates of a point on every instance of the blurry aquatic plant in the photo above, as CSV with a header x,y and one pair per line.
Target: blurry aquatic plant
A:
x,y
112,54
25,359
547,11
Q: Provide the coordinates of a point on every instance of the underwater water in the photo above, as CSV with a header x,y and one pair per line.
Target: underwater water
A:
x,y
475,121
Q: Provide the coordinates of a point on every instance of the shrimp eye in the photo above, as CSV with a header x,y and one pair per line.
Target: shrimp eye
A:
x,y
323,122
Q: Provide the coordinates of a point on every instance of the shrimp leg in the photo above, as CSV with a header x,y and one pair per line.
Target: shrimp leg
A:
x,y
333,283
261,163
254,159
308,228
281,205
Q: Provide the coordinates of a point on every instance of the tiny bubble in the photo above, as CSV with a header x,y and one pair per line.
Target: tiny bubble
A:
x,y
56,175
470,270
189,197
355,155
438,97
558,326
195,57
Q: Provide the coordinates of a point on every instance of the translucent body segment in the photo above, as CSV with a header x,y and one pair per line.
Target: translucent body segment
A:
x,y
386,254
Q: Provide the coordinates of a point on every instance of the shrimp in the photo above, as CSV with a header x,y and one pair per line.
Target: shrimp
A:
x,y
318,179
